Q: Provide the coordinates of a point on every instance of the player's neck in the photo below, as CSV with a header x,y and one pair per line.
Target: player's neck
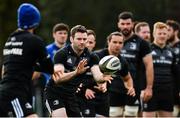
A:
x,y
29,30
130,35
159,45
111,53
59,45
78,52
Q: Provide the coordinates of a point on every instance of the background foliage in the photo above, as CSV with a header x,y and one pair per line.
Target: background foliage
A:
x,y
99,15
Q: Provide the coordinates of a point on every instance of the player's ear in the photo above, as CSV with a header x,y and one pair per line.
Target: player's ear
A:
x,y
71,39
54,35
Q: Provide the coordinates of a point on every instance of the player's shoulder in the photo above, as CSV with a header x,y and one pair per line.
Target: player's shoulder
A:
x,y
64,50
50,46
101,52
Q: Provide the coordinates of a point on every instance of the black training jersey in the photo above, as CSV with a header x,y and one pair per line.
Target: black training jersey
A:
x,y
21,52
133,51
163,61
176,50
70,60
117,84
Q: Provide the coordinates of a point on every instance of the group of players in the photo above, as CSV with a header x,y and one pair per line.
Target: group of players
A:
x,y
147,84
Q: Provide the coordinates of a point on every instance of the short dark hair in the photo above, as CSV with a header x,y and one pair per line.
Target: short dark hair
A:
x,y
60,26
116,34
174,24
139,25
78,28
91,32
126,15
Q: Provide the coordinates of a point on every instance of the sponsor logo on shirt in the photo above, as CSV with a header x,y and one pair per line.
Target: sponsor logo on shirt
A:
x,y
133,46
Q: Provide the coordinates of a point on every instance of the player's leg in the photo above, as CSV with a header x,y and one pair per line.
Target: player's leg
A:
x,y
55,108
102,105
132,105
117,103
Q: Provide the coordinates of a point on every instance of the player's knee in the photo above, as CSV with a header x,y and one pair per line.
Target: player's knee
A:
x,y
131,110
32,116
116,111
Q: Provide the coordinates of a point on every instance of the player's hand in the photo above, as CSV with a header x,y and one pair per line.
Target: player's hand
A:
x,y
57,75
89,94
81,68
101,87
146,94
131,91
107,78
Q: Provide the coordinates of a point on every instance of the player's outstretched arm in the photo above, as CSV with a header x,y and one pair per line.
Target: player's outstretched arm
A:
x,y
60,76
99,76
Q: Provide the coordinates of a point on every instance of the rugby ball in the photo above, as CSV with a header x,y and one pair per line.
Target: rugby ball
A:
x,y
109,64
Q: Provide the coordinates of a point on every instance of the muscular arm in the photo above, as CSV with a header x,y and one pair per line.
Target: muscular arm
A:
x,y
128,82
62,76
98,75
148,62
147,93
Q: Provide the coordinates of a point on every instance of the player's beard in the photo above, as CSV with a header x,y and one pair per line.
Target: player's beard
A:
x,y
171,39
126,32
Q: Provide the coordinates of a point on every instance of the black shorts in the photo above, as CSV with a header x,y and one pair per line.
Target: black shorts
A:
x,y
162,99
87,107
176,97
134,101
117,99
102,104
59,100
12,106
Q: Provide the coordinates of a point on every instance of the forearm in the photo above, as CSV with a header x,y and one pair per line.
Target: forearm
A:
x,y
149,76
97,74
65,77
128,82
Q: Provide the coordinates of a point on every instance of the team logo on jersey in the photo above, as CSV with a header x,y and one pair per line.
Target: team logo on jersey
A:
x,y
133,46
145,105
162,57
28,106
176,50
87,111
169,53
13,38
69,60
153,53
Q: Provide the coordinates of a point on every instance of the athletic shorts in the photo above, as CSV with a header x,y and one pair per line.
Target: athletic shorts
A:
x,y
12,106
117,99
87,107
134,101
176,97
62,100
162,99
102,104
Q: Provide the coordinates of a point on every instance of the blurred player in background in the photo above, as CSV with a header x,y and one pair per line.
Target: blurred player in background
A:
x,y
23,50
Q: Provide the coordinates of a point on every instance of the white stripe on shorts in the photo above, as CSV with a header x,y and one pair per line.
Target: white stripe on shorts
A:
x,y
48,106
17,108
